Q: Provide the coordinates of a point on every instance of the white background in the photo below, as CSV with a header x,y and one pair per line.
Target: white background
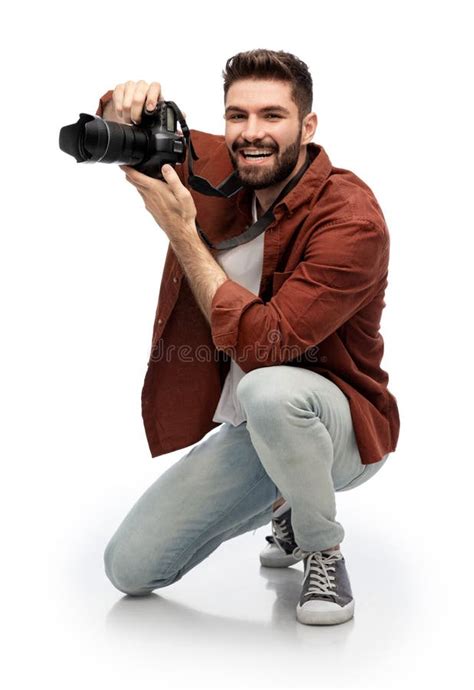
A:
x,y
81,263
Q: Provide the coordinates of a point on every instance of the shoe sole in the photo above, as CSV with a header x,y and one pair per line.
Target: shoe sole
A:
x,y
341,615
278,561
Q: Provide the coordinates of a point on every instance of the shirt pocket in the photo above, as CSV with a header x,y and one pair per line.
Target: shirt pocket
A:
x,y
279,277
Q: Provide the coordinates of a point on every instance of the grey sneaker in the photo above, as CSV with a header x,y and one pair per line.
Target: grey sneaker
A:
x,y
278,553
326,597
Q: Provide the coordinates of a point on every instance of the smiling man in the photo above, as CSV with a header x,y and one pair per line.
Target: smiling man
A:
x,y
266,142
268,327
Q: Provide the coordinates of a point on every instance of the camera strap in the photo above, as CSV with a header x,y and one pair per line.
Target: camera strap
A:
x,y
226,189
262,223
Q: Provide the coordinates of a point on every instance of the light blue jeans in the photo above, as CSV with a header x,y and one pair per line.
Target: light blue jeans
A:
x,y
298,441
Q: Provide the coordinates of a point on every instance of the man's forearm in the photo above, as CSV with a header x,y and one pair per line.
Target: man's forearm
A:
x,y
202,271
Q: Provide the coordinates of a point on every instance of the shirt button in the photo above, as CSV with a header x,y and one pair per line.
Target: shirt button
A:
x,y
160,321
175,280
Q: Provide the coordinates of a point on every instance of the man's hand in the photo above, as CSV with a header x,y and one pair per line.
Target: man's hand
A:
x,y
129,99
169,202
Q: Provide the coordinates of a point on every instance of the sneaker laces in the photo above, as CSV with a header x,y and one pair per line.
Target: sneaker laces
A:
x,y
280,532
318,565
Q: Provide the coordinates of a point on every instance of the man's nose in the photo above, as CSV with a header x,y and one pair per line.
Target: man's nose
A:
x,y
253,130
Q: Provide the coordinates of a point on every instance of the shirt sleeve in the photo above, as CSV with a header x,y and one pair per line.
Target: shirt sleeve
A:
x,y
103,100
340,272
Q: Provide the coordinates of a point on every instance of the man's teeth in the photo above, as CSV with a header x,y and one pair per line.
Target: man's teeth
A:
x,y
256,154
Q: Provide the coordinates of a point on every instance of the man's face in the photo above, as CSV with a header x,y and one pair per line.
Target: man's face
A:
x,y
263,120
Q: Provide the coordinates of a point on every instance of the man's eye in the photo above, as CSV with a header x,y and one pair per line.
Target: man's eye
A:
x,y
239,116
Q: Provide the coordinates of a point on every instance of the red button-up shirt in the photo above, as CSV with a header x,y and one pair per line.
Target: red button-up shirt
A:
x,y
319,306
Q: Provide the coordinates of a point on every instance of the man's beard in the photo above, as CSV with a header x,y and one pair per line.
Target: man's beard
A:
x,y
260,177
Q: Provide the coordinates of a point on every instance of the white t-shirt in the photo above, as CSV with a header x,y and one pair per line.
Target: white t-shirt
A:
x,y
244,265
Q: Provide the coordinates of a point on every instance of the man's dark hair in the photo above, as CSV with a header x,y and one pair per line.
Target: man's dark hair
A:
x,y
276,65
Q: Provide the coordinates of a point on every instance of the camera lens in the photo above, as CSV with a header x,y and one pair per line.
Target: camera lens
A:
x,y
93,139
111,142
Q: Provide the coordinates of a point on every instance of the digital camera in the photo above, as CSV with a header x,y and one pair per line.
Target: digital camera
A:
x,y
146,147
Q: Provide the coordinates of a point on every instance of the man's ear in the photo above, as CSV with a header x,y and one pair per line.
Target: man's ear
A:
x,y
310,123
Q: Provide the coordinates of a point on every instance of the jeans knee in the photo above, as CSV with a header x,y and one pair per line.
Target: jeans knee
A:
x,y
118,572
245,386
263,393
126,575
256,386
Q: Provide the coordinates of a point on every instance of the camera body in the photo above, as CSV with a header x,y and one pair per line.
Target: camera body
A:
x,y
146,147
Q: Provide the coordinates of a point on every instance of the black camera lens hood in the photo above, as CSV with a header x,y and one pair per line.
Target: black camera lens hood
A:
x,y
70,138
